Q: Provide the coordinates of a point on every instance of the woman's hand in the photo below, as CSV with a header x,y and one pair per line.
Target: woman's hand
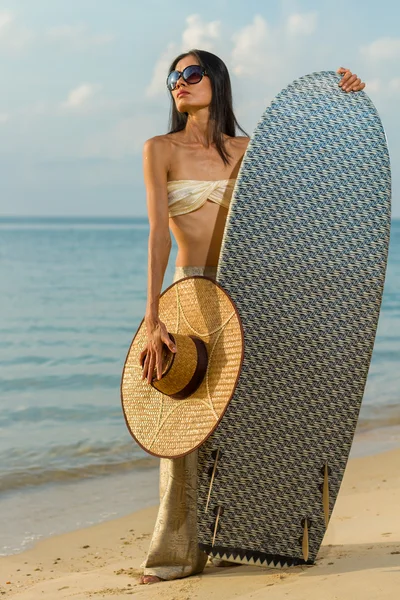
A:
x,y
157,334
350,82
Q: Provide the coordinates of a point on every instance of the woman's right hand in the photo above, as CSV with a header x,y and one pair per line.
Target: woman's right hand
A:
x,y
157,334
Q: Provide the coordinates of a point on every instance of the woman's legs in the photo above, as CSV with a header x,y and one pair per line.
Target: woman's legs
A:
x,y
174,551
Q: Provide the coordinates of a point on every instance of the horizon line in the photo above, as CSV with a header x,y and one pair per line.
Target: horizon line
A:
x,y
4,217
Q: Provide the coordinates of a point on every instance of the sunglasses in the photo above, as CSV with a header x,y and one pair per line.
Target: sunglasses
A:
x,y
191,74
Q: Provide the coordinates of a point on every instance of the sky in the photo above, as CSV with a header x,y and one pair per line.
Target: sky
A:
x,y
83,84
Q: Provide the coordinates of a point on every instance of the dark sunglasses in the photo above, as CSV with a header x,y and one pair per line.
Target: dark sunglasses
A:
x,y
190,74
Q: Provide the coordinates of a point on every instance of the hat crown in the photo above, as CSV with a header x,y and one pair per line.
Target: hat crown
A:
x,y
183,370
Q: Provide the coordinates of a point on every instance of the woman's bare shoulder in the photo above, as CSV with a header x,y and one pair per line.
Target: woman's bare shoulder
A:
x,y
157,152
239,141
158,143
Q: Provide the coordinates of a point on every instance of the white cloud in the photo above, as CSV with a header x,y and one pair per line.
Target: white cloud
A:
x,y
384,91
250,47
13,36
5,19
373,85
157,84
266,57
197,34
77,36
301,24
382,49
80,95
4,117
256,50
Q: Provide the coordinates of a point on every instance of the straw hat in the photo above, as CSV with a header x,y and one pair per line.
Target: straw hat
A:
x,y
175,414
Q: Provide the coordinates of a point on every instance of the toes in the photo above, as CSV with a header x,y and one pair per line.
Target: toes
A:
x,y
147,579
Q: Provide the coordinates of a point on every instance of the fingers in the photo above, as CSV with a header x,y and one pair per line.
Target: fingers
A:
x,y
150,371
143,361
145,364
150,359
168,342
350,82
356,86
159,365
142,356
171,347
347,75
148,366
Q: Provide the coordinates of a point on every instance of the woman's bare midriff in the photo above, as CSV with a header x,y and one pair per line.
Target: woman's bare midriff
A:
x,y
199,233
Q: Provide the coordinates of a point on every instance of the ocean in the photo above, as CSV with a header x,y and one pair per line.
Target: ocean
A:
x,y
73,292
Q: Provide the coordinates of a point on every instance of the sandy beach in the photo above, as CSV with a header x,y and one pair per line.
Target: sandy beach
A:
x,y
359,557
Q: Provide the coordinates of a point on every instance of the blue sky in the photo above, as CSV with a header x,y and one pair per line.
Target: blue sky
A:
x,y
83,84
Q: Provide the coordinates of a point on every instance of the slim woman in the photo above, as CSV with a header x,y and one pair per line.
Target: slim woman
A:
x,y
189,176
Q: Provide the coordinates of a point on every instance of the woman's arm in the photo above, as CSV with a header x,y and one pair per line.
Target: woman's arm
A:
x,y
159,246
155,169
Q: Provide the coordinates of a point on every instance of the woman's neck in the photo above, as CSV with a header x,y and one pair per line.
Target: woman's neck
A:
x,y
198,129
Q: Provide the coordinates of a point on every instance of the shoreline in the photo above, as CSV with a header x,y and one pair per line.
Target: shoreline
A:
x,y
103,561
31,515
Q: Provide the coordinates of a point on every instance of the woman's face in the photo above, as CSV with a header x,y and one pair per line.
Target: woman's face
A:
x,y
189,97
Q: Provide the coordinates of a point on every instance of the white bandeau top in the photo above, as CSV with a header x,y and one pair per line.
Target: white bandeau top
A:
x,y
186,195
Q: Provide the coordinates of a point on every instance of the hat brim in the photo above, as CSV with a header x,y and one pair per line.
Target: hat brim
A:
x,y
171,428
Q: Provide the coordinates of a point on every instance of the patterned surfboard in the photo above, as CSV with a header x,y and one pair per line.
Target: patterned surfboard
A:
x,y
304,258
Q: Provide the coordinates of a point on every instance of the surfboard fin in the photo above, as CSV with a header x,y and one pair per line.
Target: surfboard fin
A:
x,y
304,545
325,494
219,513
212,479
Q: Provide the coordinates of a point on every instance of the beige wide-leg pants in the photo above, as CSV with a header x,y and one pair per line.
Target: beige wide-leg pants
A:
x,y
173,551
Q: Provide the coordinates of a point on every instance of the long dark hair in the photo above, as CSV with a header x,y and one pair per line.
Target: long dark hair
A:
x,y
221,111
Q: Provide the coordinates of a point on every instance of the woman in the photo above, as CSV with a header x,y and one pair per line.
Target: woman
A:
x,y
189,176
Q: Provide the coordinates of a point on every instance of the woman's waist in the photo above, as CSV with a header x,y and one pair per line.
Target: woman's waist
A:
x,y
192,270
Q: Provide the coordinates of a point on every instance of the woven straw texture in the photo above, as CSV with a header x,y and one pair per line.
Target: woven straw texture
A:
x,y
162,425
304,258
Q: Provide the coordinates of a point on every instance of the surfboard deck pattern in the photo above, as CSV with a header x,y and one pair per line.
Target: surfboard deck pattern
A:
x,y
304,259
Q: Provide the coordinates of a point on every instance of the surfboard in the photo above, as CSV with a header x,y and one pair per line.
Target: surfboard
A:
x,y
303,257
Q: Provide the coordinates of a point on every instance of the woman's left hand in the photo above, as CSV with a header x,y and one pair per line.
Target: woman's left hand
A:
x,y
350,82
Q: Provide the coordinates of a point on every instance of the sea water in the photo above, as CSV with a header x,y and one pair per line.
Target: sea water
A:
x,y
73,292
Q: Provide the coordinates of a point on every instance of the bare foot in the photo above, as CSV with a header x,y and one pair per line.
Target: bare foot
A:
x,y
224,563
217,562
146,579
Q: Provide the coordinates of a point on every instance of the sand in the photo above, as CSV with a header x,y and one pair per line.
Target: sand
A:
x,y
359,557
